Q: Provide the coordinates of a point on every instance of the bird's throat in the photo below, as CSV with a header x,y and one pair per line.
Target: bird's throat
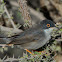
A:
x,y
48,31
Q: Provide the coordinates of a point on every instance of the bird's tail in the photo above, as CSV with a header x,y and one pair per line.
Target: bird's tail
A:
x,y
5,40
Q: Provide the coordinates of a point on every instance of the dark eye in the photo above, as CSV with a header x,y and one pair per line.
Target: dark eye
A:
x,y
48,25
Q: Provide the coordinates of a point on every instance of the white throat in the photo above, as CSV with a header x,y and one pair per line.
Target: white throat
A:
x,y
48,31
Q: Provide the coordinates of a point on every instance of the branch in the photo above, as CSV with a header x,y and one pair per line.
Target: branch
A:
x,y
58,40
24,10
9,17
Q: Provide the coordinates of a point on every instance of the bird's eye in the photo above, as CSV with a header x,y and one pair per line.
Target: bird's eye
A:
x,y
48,25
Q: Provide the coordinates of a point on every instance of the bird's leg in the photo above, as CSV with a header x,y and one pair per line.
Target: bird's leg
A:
x,y
28,51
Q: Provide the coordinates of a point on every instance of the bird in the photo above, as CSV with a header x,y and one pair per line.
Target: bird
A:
x,y
35,37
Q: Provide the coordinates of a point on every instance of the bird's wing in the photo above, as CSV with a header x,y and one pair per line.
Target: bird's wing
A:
x,y
26,37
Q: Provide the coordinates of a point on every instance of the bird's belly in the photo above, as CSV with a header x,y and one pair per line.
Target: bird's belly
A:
x,y
30,45
35,45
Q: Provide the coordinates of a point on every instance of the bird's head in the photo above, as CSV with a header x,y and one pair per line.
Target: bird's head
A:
x,y
47,25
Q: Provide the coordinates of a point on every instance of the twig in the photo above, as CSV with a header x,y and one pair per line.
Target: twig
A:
x,y
58,40
24,10
3,45
9,17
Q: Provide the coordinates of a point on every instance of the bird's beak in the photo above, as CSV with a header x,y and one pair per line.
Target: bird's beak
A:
x,y
54,28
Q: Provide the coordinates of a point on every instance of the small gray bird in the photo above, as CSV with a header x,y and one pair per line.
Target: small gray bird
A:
x,y
35,37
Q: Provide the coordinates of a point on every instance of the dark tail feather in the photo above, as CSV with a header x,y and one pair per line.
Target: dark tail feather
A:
x,y
5,40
